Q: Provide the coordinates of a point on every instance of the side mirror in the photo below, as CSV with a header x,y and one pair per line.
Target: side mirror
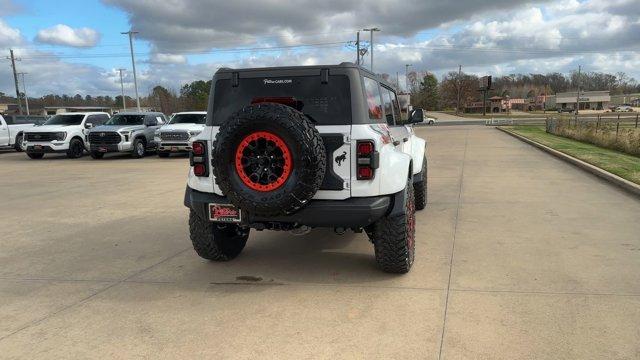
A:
x,y
88,125
417,116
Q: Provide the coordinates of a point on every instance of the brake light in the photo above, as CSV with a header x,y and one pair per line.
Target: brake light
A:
x,y
198,158
284,100
198,148
367,159
365,148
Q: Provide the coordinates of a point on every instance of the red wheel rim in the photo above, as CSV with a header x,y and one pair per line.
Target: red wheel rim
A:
x,y
263,161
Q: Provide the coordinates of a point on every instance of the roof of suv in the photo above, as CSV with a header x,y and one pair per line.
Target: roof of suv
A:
x,y
344,65
139,113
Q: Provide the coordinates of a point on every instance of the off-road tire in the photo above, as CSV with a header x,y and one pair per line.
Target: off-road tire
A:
x,y
137,152
394,238
420,188
35,155
76,149
307,155
97,155
16,145
212,242
163,154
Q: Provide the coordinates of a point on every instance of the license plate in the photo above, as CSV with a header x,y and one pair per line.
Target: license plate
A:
x,y
102,149
174,149
37,147
224,213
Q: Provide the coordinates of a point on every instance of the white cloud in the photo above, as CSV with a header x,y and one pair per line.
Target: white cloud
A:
x,y
67,36
161,58
8,35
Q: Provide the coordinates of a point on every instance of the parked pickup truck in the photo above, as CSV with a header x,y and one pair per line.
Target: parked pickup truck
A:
x,y
176,136
130,132
12,129
63,133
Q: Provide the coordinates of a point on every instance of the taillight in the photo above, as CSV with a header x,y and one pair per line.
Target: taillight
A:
x,y
198,158
198,148
367,159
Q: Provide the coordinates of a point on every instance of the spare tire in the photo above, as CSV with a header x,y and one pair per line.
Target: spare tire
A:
x,y
268,159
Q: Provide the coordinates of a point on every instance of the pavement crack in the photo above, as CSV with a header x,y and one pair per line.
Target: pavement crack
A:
x,y
453,247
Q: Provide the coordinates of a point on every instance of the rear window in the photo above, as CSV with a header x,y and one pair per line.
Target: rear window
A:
x,y
324,104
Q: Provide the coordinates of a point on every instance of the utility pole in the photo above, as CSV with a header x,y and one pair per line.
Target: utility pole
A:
x,y
24,91
406,76
124,102
358,48
459,83
578,96
15,79
371,43
133,64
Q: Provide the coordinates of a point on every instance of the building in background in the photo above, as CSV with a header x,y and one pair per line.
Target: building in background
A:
x,y
589,100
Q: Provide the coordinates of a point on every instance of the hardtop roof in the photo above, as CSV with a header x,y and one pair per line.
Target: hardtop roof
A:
x,y
344,65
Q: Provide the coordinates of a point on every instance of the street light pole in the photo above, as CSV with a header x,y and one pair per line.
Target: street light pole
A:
x,y
133,64
124,102
24,91
371,43
406,76
578,96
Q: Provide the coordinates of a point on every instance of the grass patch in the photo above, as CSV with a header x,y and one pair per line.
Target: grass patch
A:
x,y
623,165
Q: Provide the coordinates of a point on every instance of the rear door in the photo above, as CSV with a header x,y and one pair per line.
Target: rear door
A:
x,y
323,97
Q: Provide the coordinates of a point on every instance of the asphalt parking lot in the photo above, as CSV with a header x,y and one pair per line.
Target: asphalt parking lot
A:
x,y
519,256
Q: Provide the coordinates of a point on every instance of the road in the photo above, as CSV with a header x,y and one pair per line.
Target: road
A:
x,y
519,255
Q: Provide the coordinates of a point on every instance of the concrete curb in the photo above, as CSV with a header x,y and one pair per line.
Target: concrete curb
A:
x,y
611,178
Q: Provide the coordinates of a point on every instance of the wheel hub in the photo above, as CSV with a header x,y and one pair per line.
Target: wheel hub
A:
x,y
263,161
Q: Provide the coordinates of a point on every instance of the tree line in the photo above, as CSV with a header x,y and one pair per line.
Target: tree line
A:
x,y
426,91
429,93
191,97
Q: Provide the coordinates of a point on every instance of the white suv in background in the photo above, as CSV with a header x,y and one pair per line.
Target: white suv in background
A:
x,y
176,136
63,133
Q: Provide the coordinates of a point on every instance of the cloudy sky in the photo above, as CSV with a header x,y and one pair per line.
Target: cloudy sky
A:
x,y
75,46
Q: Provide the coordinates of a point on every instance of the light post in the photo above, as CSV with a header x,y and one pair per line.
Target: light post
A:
x,y
124,102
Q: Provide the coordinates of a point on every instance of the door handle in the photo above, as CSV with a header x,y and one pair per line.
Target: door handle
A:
x,y
405,139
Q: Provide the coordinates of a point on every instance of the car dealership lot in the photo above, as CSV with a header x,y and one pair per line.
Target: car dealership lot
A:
x,y
518,255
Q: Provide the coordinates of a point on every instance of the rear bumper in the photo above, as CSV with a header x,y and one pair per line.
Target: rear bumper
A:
x,y
353,212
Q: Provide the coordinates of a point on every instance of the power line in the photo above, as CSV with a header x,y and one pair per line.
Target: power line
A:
x,y
207,52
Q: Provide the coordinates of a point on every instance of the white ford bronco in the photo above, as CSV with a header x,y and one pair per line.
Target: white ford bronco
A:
x,y
295,148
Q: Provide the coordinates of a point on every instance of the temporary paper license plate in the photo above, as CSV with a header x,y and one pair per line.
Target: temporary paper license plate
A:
x,y
224,213
37,147
103,149
174,149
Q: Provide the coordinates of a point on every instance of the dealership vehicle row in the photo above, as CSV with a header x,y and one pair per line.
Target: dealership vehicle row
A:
x,y
98,133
